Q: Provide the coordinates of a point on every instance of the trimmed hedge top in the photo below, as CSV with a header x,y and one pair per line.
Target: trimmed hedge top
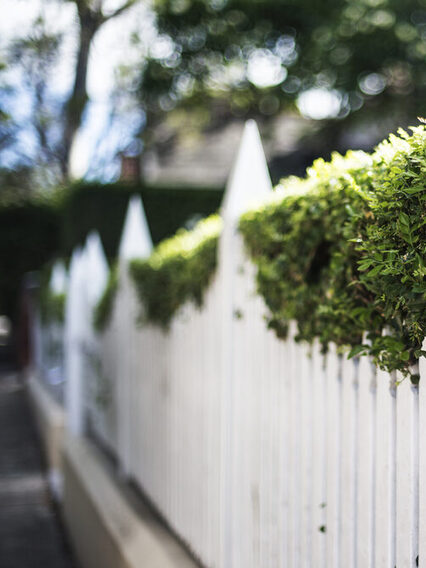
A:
x,y
52,305
103,309
179,270
343,252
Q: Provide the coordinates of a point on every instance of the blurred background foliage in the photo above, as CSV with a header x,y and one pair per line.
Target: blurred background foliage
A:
x,y
222,58
35,230
343,64
88,206
29,236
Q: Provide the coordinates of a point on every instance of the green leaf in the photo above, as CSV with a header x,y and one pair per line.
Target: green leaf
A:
x,y
404,219
375,271
413,190
357,350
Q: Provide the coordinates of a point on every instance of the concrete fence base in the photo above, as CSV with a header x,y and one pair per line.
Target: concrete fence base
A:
x,y
104,527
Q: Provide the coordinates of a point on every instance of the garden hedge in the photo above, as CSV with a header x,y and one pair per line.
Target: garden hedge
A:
x,y
29,237
103,309
51,304
179,270
343,252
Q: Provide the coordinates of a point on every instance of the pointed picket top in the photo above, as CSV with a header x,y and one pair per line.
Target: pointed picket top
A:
x,y
75,328
136,239
96,266
59,278
249,183
74,315
75,257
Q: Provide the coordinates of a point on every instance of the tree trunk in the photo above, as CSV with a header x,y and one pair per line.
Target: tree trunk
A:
x,y
78,100
90,20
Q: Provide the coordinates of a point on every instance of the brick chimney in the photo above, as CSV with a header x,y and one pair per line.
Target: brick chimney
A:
x,y
130,168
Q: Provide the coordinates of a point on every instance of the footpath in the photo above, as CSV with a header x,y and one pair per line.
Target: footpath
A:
x,y
31,535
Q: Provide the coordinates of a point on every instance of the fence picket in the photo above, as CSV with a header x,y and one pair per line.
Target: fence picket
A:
x,y
333,461
348,387
402,538
414,481
364,467
422,462
318,402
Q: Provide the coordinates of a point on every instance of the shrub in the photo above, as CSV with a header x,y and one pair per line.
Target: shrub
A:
x,y
52,305
29,237
179,270
103,309
393,248
342,252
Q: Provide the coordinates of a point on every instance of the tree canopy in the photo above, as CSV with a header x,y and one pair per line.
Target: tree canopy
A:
x,y
257,57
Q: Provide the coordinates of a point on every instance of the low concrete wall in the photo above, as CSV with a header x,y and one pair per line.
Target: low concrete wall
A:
x,y
50,419
104,527
107,525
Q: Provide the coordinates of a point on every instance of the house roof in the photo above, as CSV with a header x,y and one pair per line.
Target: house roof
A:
x,y
206,158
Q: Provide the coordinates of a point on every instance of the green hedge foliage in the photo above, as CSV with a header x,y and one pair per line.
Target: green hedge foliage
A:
x,y
29,237
103,309
343,252
52,306
179,270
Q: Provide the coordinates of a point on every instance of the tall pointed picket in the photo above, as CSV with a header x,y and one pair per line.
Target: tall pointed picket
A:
x,y
135,242
136,239
96,384
97,269
249,184
54,332
59,278
87,280
74,326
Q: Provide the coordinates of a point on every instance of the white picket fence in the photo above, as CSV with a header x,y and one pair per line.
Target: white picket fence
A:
x,y
257,452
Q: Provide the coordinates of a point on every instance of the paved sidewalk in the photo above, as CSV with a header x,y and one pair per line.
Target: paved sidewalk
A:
x,y
30,533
